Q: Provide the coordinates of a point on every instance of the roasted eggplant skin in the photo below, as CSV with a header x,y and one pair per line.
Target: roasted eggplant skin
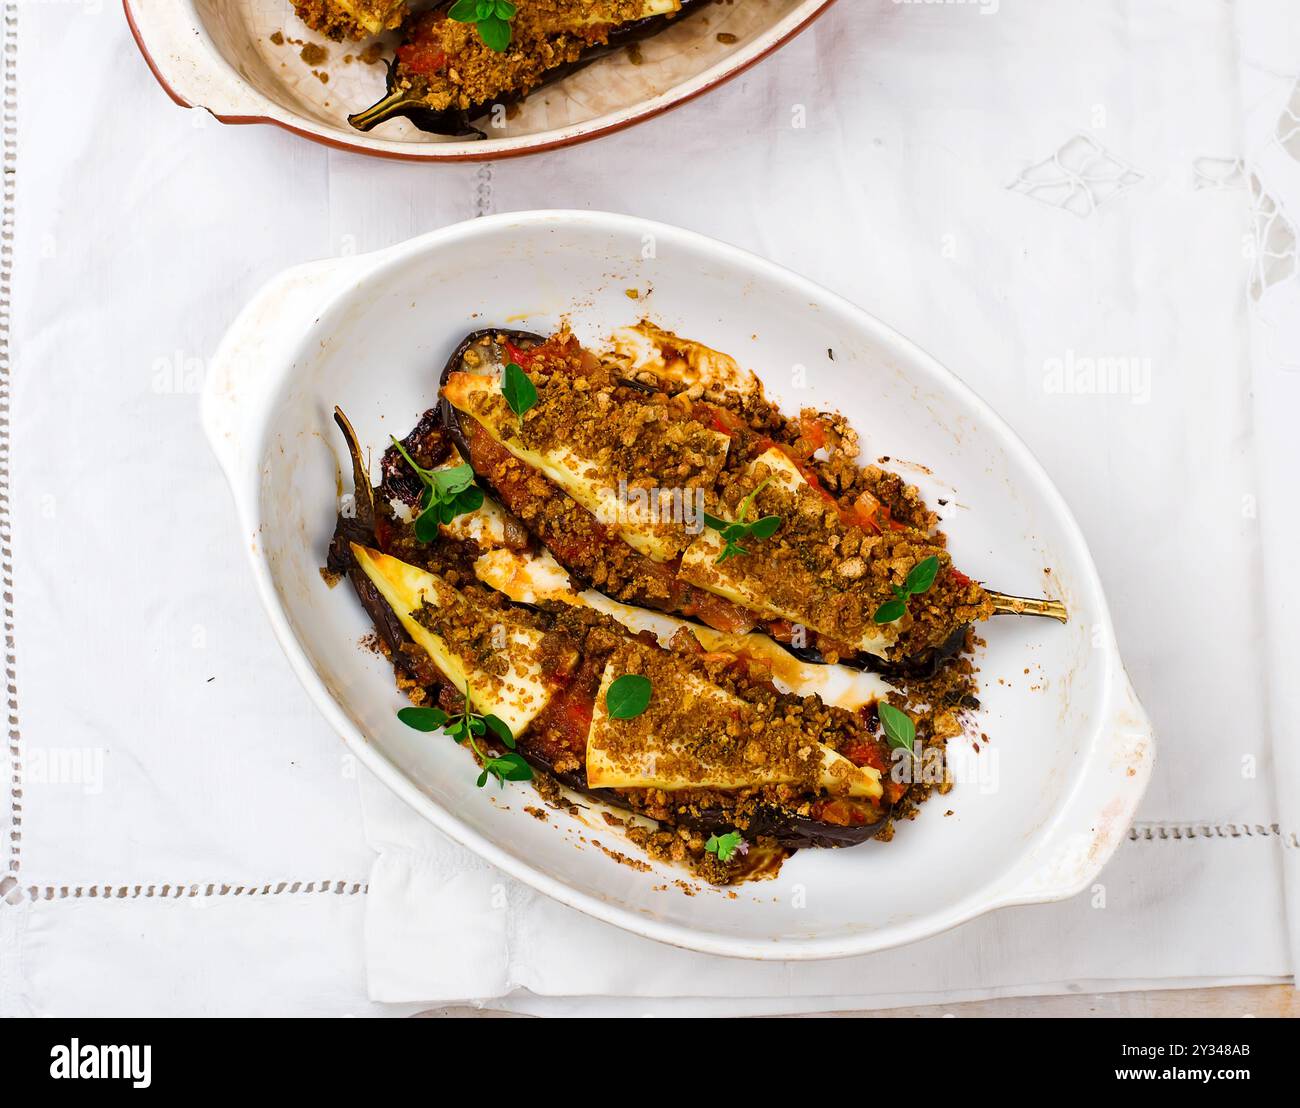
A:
x,y
921,666
451,418
449,123
359,527
787,828
458,122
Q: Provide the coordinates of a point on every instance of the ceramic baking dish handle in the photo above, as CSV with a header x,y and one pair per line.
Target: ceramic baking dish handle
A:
x,y
257,353
187,64
1099,813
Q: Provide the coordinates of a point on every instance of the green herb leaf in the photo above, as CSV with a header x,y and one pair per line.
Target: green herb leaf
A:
x,y
510,767
899,728
471,500
628,696
426,527
519,391
765,528
465,728
451,482
724,846
495,34
423,719
490,17
890,610
447,493
500,730
922,575
919,580
731,550
732,532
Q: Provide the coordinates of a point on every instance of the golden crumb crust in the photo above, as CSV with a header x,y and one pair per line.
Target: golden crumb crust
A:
x,y
351,19
849,534
447,65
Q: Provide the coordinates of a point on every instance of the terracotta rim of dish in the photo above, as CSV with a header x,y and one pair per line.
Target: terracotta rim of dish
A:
x,y
637,116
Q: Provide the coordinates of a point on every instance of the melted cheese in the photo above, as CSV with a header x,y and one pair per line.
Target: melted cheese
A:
x,y
599,13
840,777
663,758
373,16
838,686
486,525
517,696
525,578
595,489
538,578
729,580
648,348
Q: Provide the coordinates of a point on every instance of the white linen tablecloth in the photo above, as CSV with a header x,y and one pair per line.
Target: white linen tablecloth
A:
x,y
1014,189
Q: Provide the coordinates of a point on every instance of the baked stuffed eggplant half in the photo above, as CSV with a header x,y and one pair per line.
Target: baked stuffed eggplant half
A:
x,y
661,476
462,58
706,745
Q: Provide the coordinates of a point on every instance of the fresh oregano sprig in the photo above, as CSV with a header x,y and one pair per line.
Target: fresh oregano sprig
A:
x,y
918,581
467,727
491,18
900,731
724,846
734,531
447,493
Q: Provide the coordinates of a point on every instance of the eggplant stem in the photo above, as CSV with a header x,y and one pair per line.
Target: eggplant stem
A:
x,y
383,110
1027,606
362,493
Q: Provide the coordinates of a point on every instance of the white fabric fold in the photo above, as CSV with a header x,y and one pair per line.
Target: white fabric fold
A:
x,y
442,927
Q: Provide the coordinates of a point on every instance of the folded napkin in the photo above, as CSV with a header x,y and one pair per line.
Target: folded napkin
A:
x,y
441,926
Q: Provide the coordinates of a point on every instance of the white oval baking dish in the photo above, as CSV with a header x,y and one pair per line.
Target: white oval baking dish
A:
x,y
219,55
1071,751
